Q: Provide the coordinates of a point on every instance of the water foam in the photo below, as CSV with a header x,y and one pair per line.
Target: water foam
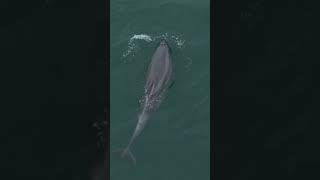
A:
x,y
133,46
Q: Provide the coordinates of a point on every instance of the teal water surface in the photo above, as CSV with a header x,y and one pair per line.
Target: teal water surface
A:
x,y
176,142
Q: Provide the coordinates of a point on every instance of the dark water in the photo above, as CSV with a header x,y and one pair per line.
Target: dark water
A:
x,y
175,143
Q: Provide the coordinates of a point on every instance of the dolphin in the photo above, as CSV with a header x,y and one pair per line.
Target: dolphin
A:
x,y
158,80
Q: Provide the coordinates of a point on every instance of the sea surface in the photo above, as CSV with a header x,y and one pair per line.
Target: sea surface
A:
x,y
176,142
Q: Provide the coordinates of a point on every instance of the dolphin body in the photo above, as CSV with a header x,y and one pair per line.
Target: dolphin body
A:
x,y
158,80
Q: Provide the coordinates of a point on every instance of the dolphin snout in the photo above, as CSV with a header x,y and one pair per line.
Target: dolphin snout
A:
x,y
163,42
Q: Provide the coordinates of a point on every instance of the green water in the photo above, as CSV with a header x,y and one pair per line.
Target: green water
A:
x,y
175,143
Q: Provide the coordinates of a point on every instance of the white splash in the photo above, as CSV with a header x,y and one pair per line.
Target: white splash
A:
x,y
141,36
133,46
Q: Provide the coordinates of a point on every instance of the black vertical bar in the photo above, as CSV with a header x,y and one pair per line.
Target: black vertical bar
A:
x,y
107,60
212,81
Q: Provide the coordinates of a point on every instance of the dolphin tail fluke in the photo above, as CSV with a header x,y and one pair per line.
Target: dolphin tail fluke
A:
x,y
126,153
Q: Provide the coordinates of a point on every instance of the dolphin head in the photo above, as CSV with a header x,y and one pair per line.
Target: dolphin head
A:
x,y
164,44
